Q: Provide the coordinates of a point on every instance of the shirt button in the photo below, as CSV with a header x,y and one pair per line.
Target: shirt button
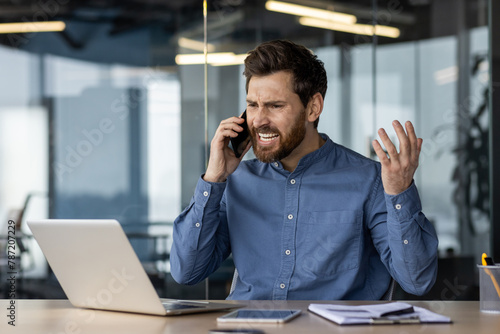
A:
x,y
290,217
405,242
287,252
197,224
276,164
292,181
205,193
282,285
398,206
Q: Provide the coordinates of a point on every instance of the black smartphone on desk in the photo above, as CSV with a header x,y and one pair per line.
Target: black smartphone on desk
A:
x,y
236,330
240,142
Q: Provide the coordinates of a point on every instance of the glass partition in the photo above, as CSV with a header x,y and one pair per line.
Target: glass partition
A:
x,y
110,119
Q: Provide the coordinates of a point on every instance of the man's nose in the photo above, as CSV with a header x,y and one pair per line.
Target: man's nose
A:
x,y
260,117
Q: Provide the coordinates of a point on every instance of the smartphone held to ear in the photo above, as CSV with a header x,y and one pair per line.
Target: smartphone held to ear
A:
x,y
240,142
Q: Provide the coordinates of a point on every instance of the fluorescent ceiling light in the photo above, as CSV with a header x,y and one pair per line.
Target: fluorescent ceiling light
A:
x,y
446,75
360,29
293,9
29,27
215,59
194,44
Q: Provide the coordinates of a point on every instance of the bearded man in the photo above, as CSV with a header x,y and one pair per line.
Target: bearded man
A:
x,y
309,218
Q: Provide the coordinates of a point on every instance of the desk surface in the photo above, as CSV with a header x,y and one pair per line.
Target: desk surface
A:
x,y
58,316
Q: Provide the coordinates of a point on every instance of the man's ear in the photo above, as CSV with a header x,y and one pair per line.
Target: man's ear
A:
x,y
315,107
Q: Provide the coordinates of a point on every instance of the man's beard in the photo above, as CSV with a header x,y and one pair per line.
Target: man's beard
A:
x,y
288,143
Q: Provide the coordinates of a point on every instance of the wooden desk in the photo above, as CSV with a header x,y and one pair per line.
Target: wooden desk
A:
x,y
58,316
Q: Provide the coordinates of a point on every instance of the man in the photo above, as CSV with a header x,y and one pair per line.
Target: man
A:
x,y
307,219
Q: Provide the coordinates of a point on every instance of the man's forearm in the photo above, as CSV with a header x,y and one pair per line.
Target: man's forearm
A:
x,y
201,240
413,243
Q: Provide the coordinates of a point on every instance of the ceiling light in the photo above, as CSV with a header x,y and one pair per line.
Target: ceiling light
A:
x,y
194,44
446,75
30,27
293,9
360,29
215,59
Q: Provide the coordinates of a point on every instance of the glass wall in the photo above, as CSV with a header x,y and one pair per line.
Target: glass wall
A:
x,y
103,121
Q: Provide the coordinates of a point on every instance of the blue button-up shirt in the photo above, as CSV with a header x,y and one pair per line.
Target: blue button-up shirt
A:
x,y
325,231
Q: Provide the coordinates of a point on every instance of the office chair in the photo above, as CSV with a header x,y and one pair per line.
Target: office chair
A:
x,y
389,294
20,248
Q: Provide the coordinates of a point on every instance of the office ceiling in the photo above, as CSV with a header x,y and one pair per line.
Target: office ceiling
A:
x,y
233,25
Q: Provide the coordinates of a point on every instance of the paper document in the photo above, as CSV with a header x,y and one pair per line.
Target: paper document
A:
x,y
388,313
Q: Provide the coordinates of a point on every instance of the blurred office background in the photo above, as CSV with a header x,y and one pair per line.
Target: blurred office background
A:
x,y
106,119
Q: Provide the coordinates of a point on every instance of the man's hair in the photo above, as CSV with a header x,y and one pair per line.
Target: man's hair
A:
x,y
308,72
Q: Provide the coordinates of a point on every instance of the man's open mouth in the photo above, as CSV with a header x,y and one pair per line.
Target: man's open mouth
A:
x,y
267,137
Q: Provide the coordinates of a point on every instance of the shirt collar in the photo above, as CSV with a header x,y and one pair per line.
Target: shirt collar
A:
x,y
312,157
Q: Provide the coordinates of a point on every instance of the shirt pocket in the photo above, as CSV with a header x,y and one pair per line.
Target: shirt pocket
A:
x,y
332,242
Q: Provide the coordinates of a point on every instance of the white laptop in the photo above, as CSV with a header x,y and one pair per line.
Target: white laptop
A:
x,y
98,269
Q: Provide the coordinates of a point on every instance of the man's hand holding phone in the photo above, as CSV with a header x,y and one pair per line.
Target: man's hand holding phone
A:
x,y
223,160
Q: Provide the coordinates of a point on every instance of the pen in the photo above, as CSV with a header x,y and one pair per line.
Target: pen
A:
x,y
487,261
393,320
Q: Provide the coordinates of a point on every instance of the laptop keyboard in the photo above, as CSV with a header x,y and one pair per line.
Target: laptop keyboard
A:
x,y
176,306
